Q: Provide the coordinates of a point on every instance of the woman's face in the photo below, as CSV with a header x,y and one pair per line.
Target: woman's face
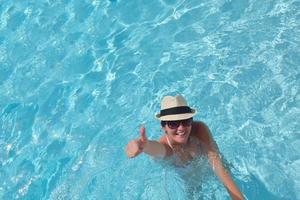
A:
x,y
178,131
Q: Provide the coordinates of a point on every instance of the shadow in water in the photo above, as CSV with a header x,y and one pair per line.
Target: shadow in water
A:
x,y
255,188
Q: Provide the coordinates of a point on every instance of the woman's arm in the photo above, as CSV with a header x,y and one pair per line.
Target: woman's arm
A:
x,y
150,147
204,135
224,176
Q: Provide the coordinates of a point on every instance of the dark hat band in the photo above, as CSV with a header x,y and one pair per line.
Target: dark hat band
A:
x,y
176,110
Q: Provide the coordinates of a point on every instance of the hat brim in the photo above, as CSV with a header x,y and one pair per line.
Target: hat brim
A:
x,y
176,117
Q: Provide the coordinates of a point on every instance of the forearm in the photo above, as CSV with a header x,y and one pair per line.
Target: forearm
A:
x,y
225,177
231,187
155,149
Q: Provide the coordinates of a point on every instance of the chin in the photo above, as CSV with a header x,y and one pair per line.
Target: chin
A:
x,y
181,140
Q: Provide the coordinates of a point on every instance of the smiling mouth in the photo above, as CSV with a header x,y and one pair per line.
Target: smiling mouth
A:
x,y
180,133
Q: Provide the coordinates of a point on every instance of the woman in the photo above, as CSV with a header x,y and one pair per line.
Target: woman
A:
x,y
183,139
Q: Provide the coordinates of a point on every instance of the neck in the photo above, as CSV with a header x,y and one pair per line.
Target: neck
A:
x,y
177,145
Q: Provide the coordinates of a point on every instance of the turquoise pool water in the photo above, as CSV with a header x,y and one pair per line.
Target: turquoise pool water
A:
x,y
78,78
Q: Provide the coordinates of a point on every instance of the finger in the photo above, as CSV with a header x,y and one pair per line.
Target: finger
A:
x,y
143,134
128,151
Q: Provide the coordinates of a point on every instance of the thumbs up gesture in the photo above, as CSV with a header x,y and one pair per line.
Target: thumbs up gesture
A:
x,y
135,147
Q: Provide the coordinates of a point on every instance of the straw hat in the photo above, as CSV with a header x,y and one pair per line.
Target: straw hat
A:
x,y
174,108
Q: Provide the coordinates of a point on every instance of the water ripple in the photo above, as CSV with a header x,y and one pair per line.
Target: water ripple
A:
x,y
78,77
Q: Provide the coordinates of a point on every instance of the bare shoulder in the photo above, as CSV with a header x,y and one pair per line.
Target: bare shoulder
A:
x,y
202,132
163,140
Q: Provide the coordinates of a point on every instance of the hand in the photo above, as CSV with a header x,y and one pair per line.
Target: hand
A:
x,y
135,147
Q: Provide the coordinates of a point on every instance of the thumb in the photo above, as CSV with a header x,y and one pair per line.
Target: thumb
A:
x,y
143,134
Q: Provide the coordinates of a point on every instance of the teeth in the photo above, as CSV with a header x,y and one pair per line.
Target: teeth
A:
x,y
180,133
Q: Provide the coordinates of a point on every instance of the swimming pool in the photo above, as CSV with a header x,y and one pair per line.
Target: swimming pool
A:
x,y
78,78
